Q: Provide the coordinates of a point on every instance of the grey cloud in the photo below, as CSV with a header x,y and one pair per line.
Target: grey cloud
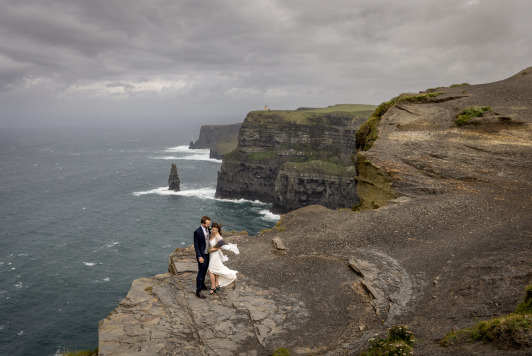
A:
x,y
203,57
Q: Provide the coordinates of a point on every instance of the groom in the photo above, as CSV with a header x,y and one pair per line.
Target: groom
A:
x,y
201,245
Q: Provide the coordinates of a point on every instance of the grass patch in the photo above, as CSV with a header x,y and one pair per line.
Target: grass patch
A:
x,y
400,341
526,305
261,156
458,85
465,116
282,351
506,331
368,131
431,90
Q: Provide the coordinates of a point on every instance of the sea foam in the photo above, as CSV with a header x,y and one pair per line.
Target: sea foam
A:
x,y
202,193
186,153
269,215
192,157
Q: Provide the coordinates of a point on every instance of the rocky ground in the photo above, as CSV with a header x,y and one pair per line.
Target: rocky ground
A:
x,y
454,248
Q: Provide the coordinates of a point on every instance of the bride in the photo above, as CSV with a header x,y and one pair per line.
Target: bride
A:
x,y
220,275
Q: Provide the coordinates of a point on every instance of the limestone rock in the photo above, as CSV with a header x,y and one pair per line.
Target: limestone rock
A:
x,y
314,182
173,179
278,243
161,315
268,140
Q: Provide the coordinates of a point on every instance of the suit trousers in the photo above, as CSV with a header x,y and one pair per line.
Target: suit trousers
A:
x,y
202,271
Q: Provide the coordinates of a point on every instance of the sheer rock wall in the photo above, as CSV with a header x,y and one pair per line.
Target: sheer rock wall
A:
x,y
268,140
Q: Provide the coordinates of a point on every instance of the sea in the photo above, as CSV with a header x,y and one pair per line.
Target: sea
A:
x,y
84,212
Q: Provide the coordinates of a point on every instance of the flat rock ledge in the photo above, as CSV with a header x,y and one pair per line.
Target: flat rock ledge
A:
x,y
162,316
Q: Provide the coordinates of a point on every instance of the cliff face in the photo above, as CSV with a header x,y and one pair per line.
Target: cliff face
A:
x,y
220,139
422,148
446,246
269,139
314,182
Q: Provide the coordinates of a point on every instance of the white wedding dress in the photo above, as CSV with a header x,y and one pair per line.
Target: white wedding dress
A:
x,y
225,275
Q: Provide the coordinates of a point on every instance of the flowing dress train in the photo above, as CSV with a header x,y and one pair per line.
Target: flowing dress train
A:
x,y
225,275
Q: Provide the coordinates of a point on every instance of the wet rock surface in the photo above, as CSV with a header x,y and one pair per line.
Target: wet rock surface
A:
x,y
162,316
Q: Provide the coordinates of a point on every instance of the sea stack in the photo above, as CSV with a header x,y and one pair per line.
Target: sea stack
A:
x,y
173,179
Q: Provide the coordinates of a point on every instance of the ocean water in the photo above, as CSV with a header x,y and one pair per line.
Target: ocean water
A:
x,y
84,212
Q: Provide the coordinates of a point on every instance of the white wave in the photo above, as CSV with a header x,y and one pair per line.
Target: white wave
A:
x,y
200,158
18,285
269,215
202,193
106,279
185,149
194,157
239,201
112,244
90,264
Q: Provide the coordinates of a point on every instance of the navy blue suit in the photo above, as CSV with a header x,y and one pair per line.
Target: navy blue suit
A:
x,y
199,246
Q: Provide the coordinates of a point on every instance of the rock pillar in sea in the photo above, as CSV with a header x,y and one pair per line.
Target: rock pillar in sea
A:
x,y
173,179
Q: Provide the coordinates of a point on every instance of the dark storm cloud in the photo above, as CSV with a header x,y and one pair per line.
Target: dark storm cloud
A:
x,y
117,58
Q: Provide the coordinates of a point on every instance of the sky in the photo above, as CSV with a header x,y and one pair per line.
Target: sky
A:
x,y
162,62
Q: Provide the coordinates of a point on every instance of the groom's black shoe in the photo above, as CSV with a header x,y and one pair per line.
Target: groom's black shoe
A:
x,y
199,295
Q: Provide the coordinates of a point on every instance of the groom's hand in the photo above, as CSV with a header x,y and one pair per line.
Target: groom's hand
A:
x,y
200,260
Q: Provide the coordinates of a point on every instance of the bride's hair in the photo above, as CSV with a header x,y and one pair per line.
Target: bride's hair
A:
x,y
218,226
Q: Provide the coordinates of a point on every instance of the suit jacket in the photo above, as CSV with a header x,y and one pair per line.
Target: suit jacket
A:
x,y
199,243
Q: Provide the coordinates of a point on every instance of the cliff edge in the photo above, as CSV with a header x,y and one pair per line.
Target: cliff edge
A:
x,y
445,243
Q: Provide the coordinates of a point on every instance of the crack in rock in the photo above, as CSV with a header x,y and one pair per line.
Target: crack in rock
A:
x,y
385,280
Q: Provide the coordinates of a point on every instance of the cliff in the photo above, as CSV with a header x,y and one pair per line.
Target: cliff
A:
x,y
220,139
270,163
447,245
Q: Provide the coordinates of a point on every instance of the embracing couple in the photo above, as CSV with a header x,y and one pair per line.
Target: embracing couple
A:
x,y
208,243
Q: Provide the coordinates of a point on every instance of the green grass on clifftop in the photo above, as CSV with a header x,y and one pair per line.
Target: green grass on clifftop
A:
x,y
310,116
513,330
368,131
399,342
